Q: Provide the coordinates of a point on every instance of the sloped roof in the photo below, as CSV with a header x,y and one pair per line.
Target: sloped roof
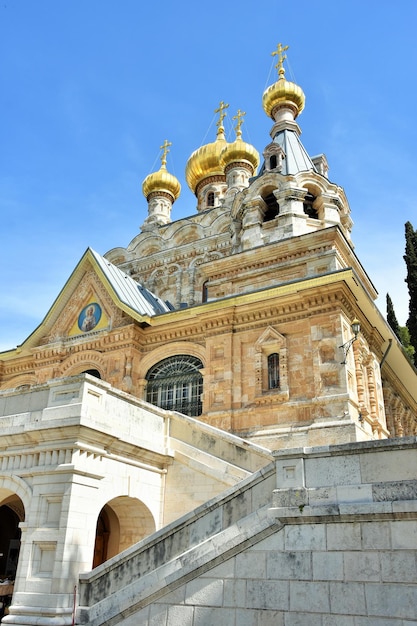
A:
x,y
296,156
130,292
131,296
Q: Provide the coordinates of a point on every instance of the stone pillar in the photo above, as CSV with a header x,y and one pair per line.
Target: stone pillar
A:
x,y
57,543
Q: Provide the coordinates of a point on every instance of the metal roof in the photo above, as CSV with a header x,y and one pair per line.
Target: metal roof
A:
x,y
296,157
131,293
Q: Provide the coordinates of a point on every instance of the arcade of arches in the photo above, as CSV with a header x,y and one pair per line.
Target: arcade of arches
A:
x,y
122,522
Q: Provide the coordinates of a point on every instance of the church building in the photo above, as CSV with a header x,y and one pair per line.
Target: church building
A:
x,y
191,364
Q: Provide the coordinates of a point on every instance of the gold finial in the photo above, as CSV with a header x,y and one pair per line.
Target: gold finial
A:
x,y
222,115
281,58
239,117
165,147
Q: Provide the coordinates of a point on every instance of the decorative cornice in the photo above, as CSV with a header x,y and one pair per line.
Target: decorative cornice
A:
x,y
235,164
218,178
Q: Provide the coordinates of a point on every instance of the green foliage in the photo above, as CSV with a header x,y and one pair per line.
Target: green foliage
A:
x,y
410,259
404,337
392,318
402,332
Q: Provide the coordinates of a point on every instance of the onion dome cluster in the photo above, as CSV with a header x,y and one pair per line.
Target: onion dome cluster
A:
x,y
210,161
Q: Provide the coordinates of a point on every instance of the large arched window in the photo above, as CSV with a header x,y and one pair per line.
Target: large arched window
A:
x,y
176,384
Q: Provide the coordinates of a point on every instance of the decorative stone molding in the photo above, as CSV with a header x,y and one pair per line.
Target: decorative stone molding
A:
x,y
269,342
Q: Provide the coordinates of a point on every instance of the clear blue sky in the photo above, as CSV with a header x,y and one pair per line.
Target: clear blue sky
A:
x,y
91,88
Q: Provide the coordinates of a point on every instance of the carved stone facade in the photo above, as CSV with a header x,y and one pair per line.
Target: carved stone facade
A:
x,y
245,309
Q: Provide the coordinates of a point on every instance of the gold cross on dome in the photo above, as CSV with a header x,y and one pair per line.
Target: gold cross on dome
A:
x,y
221,112
239,117
165,147
279,52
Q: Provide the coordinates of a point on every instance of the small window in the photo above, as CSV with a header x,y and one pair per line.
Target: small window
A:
x,y
204,295
210,198
273,162
273,371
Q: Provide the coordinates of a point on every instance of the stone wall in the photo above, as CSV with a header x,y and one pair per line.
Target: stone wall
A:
x,y
325,536
74,447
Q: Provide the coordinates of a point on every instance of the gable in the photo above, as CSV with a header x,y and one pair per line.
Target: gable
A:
x,y
97,296
88,309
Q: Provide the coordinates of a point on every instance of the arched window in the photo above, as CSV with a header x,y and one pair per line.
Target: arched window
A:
x,y
176,384
272,207
273,371
308,206
273,162
210,198
95,373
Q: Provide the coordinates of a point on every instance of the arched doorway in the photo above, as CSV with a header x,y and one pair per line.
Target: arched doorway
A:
x,y
11,514
102,538
122,522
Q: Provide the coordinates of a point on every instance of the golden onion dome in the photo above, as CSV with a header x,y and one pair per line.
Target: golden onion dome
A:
x,y
205,161
239,150
282,92
162,181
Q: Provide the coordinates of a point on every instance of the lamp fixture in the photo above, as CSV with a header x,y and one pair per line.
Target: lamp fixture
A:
x,y
356,327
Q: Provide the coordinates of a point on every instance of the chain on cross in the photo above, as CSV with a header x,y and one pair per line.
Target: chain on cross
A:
x,y
279,52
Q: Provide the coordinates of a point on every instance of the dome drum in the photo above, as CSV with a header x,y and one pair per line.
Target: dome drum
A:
x,y
235,164
216,179
160,194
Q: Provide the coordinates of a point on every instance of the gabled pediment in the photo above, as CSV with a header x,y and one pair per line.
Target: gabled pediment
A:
x,y
270,336
97,296
89,308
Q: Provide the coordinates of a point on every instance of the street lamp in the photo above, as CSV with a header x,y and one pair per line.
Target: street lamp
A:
x,y
356,327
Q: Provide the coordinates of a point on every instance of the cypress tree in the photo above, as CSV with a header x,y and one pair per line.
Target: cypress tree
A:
x,y
410,259
392,318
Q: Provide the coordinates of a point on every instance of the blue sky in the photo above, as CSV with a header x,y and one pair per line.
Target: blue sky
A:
x,y
90,89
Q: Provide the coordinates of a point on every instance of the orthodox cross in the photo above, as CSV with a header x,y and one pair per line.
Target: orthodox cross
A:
x,y
165,149
279,52
221,112
239,118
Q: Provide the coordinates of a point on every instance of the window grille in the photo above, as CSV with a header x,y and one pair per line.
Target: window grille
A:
x,y
176,384
273,371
